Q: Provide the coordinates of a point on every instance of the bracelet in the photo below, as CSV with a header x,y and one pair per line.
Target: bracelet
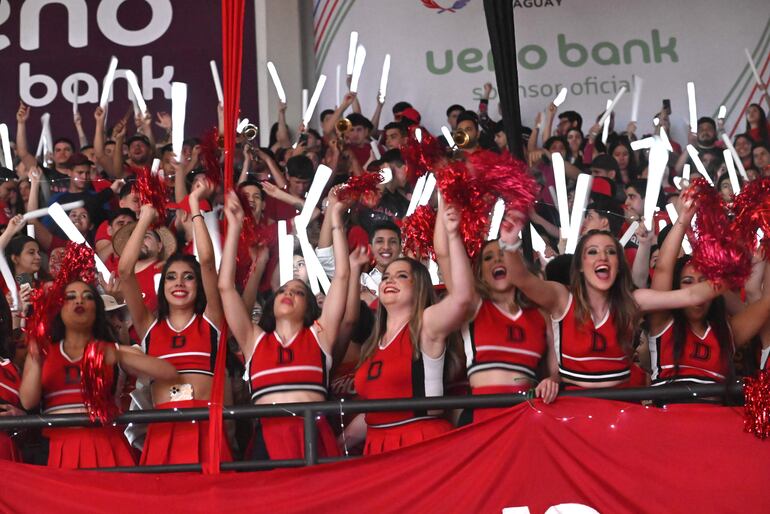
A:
x,y
196,216
509,247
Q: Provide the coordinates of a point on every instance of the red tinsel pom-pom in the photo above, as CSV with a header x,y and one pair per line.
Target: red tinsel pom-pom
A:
x,y
209,157
757,408
719,249
362,188
151,189
752,211
96,378
421,156
417,232
504,177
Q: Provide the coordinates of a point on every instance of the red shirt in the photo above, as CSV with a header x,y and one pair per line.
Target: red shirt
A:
x,y
9,383
192,349
146,279
701,361
277,210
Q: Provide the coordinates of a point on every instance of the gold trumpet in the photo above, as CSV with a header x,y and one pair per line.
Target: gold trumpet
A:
x,y
249,132
461,138
343,125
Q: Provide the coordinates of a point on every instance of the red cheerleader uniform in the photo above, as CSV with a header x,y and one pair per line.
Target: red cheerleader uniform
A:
x,y
589,351
78,447
496,339
9,394
192,350
300,364
701,361
393,372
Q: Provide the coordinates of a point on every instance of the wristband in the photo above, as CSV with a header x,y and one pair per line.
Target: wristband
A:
x,y
509,247
196,216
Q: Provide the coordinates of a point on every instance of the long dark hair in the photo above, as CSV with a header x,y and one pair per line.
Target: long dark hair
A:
x,y
716,318
312,312
633,168
625,311
200,295
16,247
101,331
763,134
7,344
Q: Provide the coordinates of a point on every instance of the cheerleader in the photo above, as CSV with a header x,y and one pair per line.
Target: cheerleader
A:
x,y
9,381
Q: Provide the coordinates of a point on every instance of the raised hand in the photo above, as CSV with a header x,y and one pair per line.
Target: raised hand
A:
x,y
23,113
451,220
511,226
233,209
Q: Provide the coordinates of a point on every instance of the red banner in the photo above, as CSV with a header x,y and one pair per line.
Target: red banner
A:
x,y
611,457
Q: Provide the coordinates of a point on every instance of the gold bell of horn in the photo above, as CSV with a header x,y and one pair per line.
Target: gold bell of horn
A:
x,y
250,132
461,138
343,125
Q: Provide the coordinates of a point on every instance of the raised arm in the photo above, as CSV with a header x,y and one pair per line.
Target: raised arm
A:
x,y
448,315
42,233
15,225
282,137
550,296
256,271
206,253
334,305
31,387
275,170
331,121
548,125
236,314
118,135
640,270
650,300
82,138
285,197
358,259
140,314
441,246
22,150
376,119
746,324
662,279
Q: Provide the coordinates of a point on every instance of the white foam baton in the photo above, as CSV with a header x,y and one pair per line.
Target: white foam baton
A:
x,y
448,136
753,66
384,79
387,175
276,82
606,124
6,141
693,107
628,234
375,150
698,163
722,112
136,91
730,164
686,172
664,139
673,216
71,231
304,99
562,205
75,97
582,195
656,170
178,108
107,84
638,83
39,213
285,253
560,97
497,218
322,175
339,70
211,219
538,243
736,157
217,82
315,271
640,144
427,191
308,114
10,283
416,193
611,106
352,52
357,67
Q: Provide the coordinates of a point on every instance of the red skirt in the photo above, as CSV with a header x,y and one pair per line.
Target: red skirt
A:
x,y
8,449
381,440
180,442
282,438
482,414
88,447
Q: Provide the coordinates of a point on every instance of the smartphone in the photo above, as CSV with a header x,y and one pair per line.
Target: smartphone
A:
x,y
667,106
303,138
25,278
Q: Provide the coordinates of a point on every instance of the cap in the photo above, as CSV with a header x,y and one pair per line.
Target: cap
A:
x,y
602,186
411,114
605,162
111,304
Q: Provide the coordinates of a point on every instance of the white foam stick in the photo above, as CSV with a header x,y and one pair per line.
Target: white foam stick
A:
x,y
6,141
10,283
638,83
552,192
155,166
656,121
136,90
661,225
70,230
560,97
693,107
698,163
606,125
276,82
671,211
736,157
45,120
722,112
418,134
375,150
448,136
384,79
39,213
416,193
582,194
107,84
178,109
304,99
75,97
612,105
339,71
321,177
640,144
357,67
538,244
31,231
757,78
307,251
285,253
665,140
308,113
241,125
628,234
427,191
352,52
497,217
655,171
217,82
562,205
387,175
686,172
211,219
433,272
728,157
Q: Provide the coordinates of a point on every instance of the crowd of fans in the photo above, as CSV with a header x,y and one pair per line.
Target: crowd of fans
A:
x,y
605,316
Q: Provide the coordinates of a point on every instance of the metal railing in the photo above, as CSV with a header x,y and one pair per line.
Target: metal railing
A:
x,y
309,411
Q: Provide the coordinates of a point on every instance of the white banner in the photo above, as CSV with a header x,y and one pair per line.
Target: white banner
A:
x,y
441,55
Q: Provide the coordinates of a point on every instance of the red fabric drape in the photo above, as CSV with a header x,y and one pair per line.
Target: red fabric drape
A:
x,y
611,456
232,60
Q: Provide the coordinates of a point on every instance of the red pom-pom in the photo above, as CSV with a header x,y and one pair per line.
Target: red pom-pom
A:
x,y
96,378
417,232
362,188
752,211
719,250
504,177
757,408
151,189
421,156
209,157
